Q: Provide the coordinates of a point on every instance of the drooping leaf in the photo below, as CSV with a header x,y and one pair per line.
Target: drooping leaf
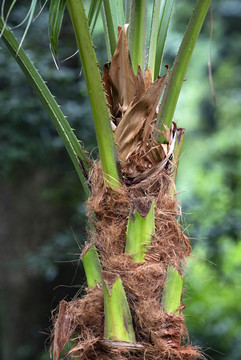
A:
x,y
56,14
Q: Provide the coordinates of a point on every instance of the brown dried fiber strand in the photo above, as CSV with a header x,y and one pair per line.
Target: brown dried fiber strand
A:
x,y
161,334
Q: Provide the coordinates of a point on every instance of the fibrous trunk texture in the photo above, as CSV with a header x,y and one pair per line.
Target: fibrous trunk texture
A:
x,y
146,169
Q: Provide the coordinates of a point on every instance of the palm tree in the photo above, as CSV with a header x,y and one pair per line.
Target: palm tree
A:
x,y
136,249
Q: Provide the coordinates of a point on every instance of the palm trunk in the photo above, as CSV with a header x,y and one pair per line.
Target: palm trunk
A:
x,y
140,244
136,249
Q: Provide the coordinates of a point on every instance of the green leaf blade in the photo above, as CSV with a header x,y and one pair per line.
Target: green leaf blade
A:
x,y
56,14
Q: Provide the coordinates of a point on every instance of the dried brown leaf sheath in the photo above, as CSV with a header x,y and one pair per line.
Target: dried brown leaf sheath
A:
x,y
138,117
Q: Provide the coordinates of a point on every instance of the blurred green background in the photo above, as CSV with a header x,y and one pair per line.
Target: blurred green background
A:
x,y
42,214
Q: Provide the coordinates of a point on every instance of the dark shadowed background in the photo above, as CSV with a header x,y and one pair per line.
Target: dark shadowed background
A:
x,y
42,216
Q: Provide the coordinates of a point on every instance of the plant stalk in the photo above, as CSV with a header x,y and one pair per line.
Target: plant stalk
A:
x,y
100,111
175,81
137,34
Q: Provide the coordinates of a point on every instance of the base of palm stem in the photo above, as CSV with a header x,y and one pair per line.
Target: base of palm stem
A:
x,y
159,334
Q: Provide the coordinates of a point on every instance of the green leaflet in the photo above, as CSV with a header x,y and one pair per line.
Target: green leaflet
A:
x,y
139,234
56,14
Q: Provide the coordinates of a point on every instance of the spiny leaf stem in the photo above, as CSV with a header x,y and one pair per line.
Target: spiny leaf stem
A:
x,y
175,81
100,111
76,153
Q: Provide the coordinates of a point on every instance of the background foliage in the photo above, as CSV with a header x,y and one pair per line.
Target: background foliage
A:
x,y
42,215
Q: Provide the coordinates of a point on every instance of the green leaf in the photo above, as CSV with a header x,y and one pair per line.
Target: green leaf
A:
x,y
165,17
93,13
112,15
56,14
137,34
76,153
154,35
172,291
92,267
100,111
139,234
118,320
28,18
176,78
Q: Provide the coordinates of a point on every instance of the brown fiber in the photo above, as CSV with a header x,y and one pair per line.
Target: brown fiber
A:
x,y
147,170
161,334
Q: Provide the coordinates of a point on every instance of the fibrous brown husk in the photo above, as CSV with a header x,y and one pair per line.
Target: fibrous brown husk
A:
x,y
160,334
147,176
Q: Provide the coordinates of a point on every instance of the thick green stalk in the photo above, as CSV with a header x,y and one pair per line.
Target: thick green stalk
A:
x,y
92,267
113,14
100,111
166,11
139,234
118,320
172,291
154,35
180,65
75,151
137,34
